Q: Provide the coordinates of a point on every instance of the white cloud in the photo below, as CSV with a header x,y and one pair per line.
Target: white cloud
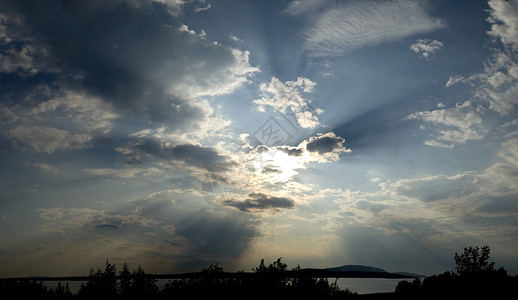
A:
x,y
426,47
356,24
497,79
455,125
184,28
200,9
265,167
454,80
174,7
48,139
88,113
235,38
288,97
500,180
498,83
502,101
504,24
201,81
82,115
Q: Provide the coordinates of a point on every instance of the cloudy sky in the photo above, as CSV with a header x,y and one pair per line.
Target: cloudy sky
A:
x,y
179,133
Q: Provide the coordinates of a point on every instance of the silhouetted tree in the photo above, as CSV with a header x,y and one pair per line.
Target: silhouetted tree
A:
x,y
441,284
409,288
101,283
60,291
473,260
474,277
142,284
273,276
212,269
276,280
125,280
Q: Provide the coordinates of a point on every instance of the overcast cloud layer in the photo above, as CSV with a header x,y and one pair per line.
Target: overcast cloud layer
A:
x,y
176,134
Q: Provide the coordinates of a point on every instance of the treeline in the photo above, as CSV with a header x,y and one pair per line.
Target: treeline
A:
x,y
268,280
474,277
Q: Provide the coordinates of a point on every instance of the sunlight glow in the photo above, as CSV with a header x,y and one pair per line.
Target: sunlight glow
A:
x,y
276,166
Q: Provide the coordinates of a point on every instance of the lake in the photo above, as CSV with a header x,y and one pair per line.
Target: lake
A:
x,y
358,285
368,285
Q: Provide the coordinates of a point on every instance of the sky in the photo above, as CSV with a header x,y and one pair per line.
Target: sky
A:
x,y
174,134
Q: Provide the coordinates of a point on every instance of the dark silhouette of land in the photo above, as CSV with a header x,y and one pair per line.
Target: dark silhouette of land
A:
x,y
474,276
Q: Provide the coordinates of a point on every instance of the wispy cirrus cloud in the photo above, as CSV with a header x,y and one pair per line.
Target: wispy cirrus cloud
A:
x,y
336,28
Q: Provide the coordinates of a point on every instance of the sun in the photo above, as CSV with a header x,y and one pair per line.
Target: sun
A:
x,y
275,165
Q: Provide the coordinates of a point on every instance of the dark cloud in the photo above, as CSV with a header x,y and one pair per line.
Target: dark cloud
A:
x,y
106,226
492,221
260,201
325,143
262,149
131,54
269,170
499,205
292,151
188,155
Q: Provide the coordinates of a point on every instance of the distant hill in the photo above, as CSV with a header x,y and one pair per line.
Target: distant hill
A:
x,y
360,268
354,271
346,271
